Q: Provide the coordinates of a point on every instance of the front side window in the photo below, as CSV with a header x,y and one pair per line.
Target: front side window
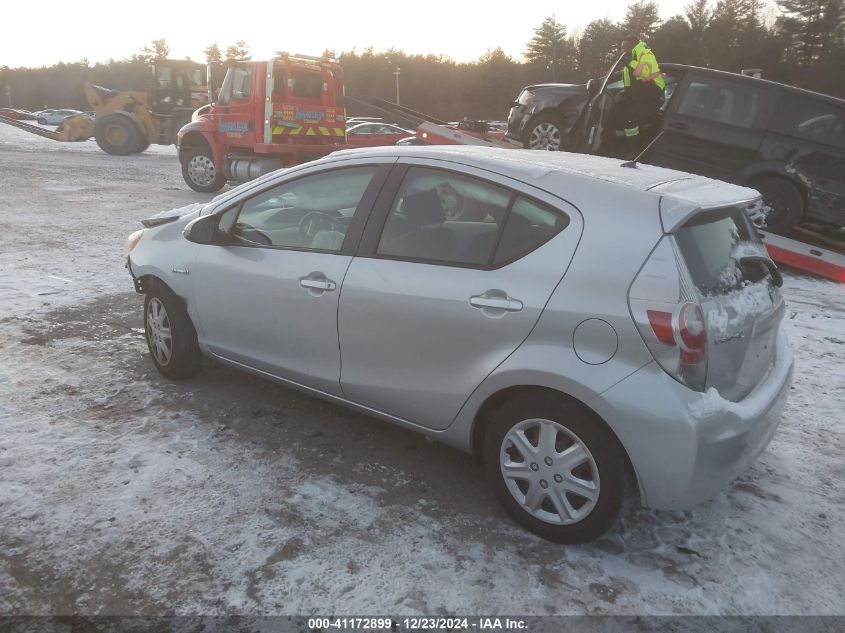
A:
x,y
443,217
236,85
810,119
722,101
313,212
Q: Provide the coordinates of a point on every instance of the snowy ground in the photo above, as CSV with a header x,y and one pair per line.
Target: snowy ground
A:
x,y
123,493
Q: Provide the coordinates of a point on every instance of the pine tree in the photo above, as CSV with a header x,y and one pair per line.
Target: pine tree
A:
x,y
817,28
238,52
212,53
598,48
641,19
550,47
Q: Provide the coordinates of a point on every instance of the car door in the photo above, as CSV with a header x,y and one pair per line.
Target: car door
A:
x,y
362,136
714,127
266,292
236,118
806,139
431,306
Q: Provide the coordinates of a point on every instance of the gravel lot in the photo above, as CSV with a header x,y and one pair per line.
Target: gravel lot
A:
x,y
121,492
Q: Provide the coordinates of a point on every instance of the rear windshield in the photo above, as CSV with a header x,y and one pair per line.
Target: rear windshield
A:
x,y
713,243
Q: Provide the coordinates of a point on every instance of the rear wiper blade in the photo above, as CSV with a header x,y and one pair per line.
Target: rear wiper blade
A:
x,y
777,278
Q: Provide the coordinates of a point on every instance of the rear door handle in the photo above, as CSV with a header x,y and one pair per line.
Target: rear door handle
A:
x,y
678,125
496,300
314,282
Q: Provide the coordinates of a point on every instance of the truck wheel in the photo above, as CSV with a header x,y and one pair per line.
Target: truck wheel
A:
x,y
784,200
117,134
143,144
555,469
544,132
199,171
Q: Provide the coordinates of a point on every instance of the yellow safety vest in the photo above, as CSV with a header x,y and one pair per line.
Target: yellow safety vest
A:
x,y
643,67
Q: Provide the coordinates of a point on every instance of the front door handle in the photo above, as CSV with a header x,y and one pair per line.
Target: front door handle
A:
x,y
495,303
678,125
317,283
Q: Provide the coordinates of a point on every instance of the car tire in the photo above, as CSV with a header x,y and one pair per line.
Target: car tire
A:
x,y
576,487
41,121
200,173
544,132
171,337
117,134
785,201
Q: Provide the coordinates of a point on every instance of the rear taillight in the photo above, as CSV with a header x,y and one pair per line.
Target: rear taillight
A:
x,y
668,317
684,328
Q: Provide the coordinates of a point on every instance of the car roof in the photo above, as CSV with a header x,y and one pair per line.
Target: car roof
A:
x,y
753,80
533,164
686,193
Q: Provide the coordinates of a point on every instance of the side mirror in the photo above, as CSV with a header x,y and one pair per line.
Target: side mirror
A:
x,y
201,230
593,88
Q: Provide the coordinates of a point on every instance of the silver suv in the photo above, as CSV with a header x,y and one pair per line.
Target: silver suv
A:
x,y
568,320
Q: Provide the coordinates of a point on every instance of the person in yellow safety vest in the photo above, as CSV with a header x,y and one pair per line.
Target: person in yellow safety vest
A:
x,y
639,101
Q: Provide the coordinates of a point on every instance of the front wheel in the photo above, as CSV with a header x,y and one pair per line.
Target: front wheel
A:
x,y
785,202
544,132
200,173
557,470
117,134
170,334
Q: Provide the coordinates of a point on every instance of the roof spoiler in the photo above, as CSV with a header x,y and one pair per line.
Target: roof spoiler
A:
x,y
675,212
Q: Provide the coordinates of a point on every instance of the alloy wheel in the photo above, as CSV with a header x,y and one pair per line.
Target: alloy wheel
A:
x,y
158,332
549,471
545,136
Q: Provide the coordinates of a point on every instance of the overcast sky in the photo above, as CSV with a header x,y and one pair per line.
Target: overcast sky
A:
x,y
47,31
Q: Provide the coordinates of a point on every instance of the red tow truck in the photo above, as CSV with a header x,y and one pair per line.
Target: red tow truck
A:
x,y
268,115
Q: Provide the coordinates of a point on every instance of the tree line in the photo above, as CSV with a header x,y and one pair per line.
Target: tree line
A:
x,y
799,42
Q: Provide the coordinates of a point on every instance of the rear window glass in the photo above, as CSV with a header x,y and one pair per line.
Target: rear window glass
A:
x,y
308,85
713,243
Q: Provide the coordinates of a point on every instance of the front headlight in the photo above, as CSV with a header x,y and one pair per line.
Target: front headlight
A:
x,y
132,240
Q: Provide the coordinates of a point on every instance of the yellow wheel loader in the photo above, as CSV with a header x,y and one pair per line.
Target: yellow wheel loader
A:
x,y
129,121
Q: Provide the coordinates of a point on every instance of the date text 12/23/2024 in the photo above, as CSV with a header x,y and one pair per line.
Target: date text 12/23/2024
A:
x,y
420,623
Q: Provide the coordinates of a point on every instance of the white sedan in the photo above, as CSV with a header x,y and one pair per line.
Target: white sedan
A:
x,y
55,117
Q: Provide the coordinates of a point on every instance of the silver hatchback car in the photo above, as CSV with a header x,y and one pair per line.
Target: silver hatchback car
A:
x,y
569,320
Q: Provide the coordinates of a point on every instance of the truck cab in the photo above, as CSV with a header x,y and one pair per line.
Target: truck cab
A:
x,y
267,115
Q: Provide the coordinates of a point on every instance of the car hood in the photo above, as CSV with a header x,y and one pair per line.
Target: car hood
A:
x,y
562,89
180,215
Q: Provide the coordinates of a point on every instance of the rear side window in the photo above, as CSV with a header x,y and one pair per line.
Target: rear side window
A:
x,y
530,225
722,101
712,244
449,218
810,119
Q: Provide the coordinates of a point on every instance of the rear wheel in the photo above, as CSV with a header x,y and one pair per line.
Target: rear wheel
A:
x,y
200,173
785,202
556,469
117,134
545,133
170,334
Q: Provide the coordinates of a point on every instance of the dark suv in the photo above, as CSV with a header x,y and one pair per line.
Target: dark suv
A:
x,y
786,142
543,115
